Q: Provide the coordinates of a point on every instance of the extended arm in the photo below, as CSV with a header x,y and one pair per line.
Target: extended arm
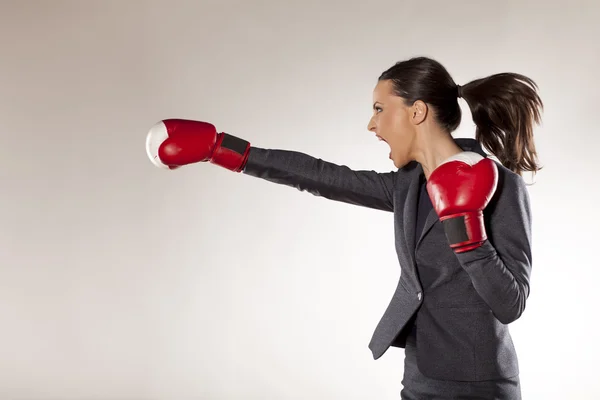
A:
x,y
321,178
172,143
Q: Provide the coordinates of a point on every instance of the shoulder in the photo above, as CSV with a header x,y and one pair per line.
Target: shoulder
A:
x,y
509,180
511,192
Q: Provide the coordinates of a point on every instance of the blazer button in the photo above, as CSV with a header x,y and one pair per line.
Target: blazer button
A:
x,y
419,296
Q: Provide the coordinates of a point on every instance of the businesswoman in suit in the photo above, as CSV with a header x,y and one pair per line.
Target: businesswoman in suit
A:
x,y
462,220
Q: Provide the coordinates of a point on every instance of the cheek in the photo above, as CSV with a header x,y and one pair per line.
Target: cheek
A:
x,y
397,131
389,124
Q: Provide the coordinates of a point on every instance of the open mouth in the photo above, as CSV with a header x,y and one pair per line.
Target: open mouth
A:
x,y
385,141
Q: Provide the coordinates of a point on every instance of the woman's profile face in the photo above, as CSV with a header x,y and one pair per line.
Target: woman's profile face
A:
x,y
391,122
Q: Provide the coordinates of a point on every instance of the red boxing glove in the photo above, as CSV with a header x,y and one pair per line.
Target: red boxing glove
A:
x,y
460,189
173,143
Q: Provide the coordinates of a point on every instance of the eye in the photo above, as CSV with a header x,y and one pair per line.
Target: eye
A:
x,y
378,109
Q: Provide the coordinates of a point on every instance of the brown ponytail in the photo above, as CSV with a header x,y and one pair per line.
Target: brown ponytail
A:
x,y
505,108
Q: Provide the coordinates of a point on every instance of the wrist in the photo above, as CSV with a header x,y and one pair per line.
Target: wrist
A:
x,y
230,152
464,231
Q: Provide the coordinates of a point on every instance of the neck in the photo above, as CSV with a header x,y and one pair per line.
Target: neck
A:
x,y
432,148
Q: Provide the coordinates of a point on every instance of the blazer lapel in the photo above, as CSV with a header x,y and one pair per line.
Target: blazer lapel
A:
x,y
432,218
410,214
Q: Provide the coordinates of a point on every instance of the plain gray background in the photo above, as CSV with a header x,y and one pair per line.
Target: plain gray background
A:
x,y
119,280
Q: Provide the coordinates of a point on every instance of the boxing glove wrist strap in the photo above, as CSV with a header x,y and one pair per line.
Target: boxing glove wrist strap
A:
x,y
464,231
231,152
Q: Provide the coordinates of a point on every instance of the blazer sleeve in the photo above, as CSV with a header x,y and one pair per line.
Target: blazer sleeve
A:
x,y
321,178
501,268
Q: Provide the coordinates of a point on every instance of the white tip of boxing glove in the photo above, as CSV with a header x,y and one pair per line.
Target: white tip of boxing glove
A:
x,y
468,157
156,136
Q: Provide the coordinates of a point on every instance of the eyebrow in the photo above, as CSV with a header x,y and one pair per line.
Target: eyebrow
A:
x,y
375,104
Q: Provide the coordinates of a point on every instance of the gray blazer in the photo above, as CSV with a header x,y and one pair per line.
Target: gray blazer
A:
x,y
461,303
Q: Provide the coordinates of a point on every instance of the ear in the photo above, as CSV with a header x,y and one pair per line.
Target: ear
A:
x,y
418,112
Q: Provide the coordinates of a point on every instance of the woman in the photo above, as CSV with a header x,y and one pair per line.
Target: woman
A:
x,y
462,221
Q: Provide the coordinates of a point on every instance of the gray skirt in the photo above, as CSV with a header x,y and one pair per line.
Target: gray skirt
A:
x,y
416,386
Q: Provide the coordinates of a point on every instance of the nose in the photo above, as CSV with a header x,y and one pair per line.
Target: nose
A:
x,y
371,126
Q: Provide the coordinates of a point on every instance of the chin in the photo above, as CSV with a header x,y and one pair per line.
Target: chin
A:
x,y
400,163
397,163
